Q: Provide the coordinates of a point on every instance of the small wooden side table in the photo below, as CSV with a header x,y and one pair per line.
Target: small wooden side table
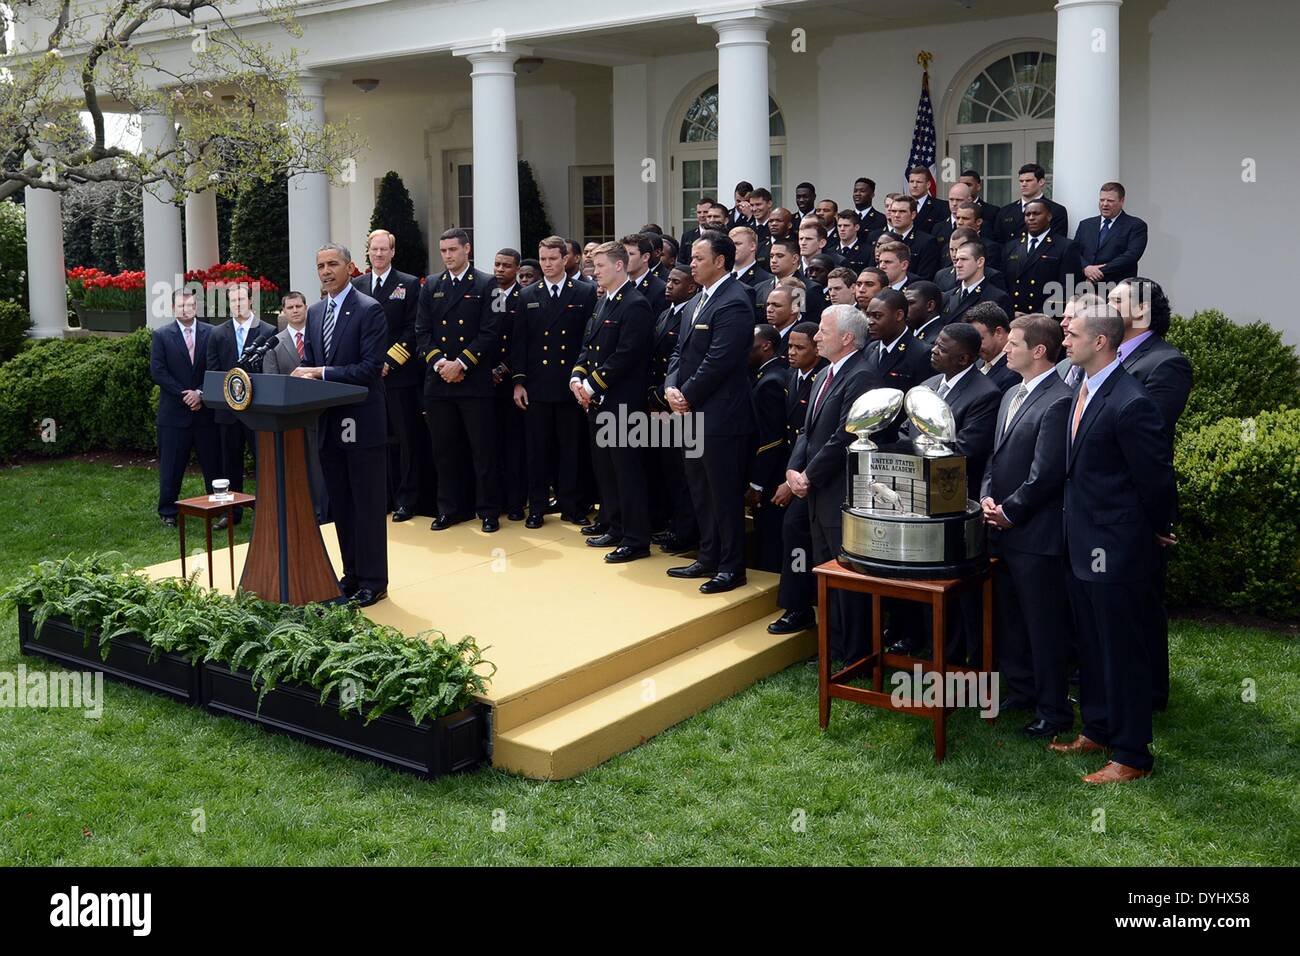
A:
x,y
203,507
834,576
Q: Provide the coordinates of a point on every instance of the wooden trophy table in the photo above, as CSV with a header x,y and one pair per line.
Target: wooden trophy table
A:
x,y
833,576
286,561
207,508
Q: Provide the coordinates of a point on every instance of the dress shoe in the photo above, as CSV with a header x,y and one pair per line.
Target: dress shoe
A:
x,y
170,521
553,507
722,581
443,522
791,622
658,536
1079,745
221,523
603,541
1042,728
534,521
348,588
1116,773
597,527
675,545
621,555
573,519
491,524
516,514
364,597
402,514
692,570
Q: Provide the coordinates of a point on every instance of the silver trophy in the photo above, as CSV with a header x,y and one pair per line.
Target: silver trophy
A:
x,y
871,412
933,421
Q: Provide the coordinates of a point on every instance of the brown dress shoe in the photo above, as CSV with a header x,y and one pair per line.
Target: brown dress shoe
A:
x,y
1116,773
1079,745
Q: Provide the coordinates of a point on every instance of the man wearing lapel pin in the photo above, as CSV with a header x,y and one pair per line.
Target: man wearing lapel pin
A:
x,y
456,327
178,355
1021,498
227,344
399,294
1042,266
610,381
347,336
553,316
709,376
1110,245
640,256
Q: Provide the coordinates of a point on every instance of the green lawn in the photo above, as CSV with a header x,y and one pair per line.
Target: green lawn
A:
x,y
724,787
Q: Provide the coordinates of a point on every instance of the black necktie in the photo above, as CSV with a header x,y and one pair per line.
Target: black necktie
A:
x,y
378,283
555,293
1105,228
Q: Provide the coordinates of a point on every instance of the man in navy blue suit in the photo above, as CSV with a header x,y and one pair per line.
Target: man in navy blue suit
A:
x,y
1111,244
347,340
177,360
1119,494
709,374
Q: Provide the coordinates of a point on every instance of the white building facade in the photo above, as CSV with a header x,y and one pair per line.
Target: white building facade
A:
x,y
629,116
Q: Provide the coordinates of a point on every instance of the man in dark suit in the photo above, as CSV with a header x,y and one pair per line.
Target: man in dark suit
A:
x,y
779,225
784,259
548,334
797,592
640,255
852,245
512,465
924,313
747,269
740,214
894,356
399,294
925,249
347,336
289,352
783,313
702,207
958,193
988,211
994,326
228,343
178,354
839,286
816,469
658,267
895,258
869,217
805,198
1021,498
1166,375
670,494
947,280
767,470
456,329
1010,222
1119,491
929,210
1042,266
1111,244
610,381
708,376
973,286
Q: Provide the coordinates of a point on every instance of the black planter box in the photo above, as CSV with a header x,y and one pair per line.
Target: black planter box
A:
x,y
430,748
128,658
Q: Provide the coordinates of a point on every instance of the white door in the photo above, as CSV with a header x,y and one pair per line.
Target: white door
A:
x,y
998,156
458,189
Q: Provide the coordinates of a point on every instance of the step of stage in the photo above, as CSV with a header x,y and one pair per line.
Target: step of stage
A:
x,y
582,734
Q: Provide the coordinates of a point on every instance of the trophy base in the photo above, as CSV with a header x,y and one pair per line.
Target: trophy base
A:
x,y
894,546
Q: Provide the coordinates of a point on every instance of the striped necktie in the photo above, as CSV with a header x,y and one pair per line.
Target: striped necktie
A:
x,y
327,334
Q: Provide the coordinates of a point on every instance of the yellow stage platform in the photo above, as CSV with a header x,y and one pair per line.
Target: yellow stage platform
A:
x,y
592,659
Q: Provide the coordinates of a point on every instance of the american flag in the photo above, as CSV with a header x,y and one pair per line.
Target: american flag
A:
x,y
923,138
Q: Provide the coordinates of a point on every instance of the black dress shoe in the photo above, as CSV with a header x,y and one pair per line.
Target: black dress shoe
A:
x,y
364,597
491,524
692,570
402,514
791,622
443,522
621,555
659,536
722,581
534,521
603,541
573,519
221,523
170,521
553,507
1042,728
348,588
516,514
598,527
675,545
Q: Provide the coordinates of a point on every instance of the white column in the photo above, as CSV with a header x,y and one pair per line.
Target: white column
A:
x,y
743,141
164,270
309,201
46,279
496,150
1086,134
633,189
201,247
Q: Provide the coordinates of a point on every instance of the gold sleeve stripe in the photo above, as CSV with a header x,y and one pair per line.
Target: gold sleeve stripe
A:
x,y
769,445
432,355
398,354
469,355
599,381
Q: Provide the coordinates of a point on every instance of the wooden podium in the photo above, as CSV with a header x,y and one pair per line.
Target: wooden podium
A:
x,y
286,561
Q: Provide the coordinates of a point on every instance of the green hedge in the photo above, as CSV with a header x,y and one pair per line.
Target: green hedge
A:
x,y
85,394
14,325
1239,515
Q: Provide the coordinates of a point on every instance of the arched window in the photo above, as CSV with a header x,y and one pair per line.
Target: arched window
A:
x,y
1002,116
695,156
